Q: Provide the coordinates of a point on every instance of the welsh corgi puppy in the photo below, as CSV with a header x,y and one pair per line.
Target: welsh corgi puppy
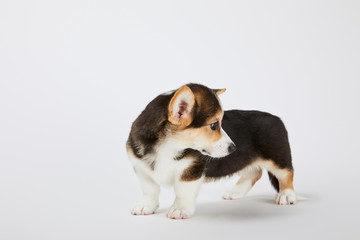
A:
x,y
184,138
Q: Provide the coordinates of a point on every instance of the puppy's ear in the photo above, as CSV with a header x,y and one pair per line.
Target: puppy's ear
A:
x,y
219,91
180,107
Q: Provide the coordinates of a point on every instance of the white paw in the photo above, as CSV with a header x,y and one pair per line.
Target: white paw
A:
x,y
233,194
178,212
144,208
286,197
238,191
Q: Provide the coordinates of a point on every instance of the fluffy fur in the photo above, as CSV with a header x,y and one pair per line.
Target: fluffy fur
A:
x,y
184,138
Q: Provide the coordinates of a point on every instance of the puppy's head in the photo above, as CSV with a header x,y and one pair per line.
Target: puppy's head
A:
x,y
195,114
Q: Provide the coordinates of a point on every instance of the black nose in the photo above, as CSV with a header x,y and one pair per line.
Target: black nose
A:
x,y
231,148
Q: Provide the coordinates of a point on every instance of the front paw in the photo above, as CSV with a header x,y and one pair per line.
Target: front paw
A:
x,y
144,208
177,211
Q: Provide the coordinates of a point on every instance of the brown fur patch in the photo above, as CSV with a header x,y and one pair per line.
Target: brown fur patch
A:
x,y
185,107
287,181
194,172
205,132
196,169
220,91
284,175
212,135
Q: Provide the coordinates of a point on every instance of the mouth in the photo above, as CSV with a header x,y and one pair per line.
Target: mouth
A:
x,y
206,152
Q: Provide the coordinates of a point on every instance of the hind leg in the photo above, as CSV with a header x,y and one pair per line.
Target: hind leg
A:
x,y
286,193
248,178
285,177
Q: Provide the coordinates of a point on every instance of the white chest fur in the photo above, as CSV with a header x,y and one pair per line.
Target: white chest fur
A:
x,y
165,168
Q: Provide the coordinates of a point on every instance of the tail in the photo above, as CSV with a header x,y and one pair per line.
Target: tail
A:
x,y
274,181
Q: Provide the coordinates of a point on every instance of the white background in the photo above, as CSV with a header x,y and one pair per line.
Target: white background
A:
x,y
75,74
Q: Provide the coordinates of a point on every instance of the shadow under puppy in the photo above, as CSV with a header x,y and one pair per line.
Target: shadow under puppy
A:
x,y
184,138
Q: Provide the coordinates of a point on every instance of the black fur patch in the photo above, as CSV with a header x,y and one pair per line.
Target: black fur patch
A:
x,y
274,181
150,126
256,135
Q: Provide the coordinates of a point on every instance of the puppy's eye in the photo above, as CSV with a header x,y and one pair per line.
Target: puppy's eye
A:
x,y
214,126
